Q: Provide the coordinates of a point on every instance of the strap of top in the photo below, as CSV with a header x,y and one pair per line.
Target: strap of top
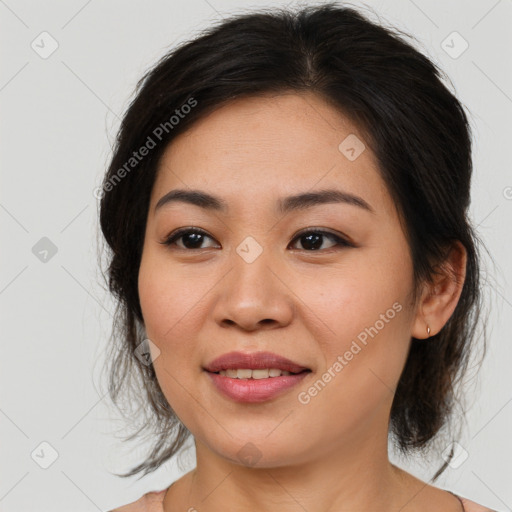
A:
x,y
461,503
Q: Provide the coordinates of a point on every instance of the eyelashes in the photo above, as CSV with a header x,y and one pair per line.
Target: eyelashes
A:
x,y
312,237
180,233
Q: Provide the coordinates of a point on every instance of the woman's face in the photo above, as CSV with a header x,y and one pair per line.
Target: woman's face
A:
x,y
339,307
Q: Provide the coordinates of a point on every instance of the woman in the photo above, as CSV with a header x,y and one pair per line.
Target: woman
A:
x,y
286,213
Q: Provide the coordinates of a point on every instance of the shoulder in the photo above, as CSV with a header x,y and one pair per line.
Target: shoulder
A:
x,y
471,506
150,502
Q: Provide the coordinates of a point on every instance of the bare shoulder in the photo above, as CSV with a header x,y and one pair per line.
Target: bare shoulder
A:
x,y
471,506
150,502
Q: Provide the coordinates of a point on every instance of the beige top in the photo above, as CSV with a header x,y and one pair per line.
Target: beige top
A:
x,y
153,502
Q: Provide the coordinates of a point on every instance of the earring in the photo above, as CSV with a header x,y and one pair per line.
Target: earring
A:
x,y
428,330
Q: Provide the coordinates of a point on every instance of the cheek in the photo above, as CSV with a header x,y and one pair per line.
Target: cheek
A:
x,y
348,298
174,303
361,323
169,307
171,297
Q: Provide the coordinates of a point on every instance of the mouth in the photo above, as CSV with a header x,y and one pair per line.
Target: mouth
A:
x,y
256,377
256,373
243,362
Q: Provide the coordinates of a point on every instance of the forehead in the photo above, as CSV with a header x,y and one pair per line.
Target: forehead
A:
x,y
261,148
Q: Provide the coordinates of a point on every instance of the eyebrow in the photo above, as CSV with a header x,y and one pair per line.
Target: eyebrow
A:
x,y
284,205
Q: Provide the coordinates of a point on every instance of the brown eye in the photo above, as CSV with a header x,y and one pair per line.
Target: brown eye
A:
x,y
313,240
191,238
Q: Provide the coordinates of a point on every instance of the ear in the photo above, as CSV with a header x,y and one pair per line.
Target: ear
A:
x,y
439,298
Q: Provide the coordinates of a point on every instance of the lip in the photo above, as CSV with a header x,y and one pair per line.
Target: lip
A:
x,y
254,361
254,390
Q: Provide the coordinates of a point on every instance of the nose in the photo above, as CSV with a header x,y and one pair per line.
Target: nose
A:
x,y
254,296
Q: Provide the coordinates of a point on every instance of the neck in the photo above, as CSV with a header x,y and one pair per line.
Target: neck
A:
x,y
348,477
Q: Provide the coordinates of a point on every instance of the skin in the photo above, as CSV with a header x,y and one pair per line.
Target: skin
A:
x,y
308,305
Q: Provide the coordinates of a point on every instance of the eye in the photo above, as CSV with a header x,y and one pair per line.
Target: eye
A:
x,y
192,238
312,239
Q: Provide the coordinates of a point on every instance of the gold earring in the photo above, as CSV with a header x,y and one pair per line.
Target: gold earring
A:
x,y
428,330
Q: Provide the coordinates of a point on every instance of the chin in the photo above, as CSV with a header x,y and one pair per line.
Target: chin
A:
x,y
257,450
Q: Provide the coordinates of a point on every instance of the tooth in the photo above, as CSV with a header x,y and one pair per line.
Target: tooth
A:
x,y
244,374
260,374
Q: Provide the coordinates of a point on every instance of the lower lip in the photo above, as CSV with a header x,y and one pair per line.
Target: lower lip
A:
x,y
255,390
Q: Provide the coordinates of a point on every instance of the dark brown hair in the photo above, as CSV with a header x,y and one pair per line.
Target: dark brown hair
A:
x,y
414,125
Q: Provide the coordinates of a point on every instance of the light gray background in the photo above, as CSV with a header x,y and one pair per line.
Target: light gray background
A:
x,y
59,116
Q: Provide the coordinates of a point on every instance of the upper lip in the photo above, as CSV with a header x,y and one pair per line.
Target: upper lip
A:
x,y
254,361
